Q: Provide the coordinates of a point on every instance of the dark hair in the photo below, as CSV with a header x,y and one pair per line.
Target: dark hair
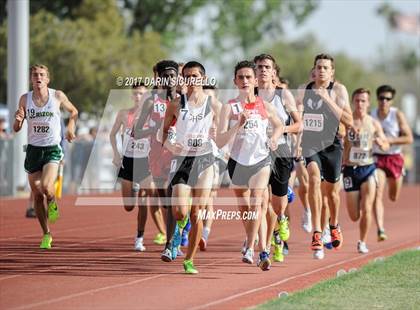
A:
x,y
324,56
284,81
245,64
360,90
261,57
385,88
194,64
166,65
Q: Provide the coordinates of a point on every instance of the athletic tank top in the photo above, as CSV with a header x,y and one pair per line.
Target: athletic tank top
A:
x,y
391,128
282,114
320,125
250,143
131,147
358,146
158,116
44,123
192,127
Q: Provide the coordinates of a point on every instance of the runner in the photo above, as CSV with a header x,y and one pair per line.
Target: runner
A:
x,y
390,163
160,157
134,168
282,161
41,108
325,104
196,116
359,177
244,121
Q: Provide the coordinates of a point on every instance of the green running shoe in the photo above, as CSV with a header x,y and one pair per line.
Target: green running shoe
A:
x,y
160,239
284,229
53,214
278,253
46,242
189,267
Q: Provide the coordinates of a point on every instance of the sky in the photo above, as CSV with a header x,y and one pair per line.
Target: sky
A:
x,y
354,26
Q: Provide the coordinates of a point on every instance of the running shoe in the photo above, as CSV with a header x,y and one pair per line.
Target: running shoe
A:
x,y
46,242
160,239
362,248
285,248
203,244
189,267
326,238
278,252
179,252
316,241
319,254
138,245
336,237
244,247
307,220
284,229
166,255
381,235
30,213
248,256
53,214
264,261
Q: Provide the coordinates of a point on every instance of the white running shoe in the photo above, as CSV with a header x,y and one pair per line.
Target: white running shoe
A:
x,y
319,254
326,238
248,256
307,220
362,248
138,245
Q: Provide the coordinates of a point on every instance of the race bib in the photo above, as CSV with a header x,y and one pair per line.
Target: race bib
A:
x,y
159,108
40,129
139,148
313,122
347,182
196,141
359,155
237,108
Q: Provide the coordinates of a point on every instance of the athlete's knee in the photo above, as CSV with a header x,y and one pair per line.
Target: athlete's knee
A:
x,y
47,189
314,181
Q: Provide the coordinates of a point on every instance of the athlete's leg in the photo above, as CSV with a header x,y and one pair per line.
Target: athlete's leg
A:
x,y
368,190
315,197
353,205
38,198
49,175
331,190
263,230
257,183
128,195
155,209
394,188
379,204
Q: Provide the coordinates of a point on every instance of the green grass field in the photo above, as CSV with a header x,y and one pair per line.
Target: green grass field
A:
x,y
391,284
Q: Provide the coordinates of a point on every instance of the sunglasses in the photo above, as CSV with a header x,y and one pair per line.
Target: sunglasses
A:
x,y
383,98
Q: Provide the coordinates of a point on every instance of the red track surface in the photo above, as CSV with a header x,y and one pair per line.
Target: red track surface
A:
x,y
92,264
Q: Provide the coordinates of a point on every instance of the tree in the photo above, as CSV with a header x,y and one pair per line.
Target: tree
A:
x,y
86,54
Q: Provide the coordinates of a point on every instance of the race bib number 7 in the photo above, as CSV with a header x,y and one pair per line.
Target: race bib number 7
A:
x,y
313,122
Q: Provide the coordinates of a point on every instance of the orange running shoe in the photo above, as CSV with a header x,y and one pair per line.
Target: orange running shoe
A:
x,y
336,237
316,241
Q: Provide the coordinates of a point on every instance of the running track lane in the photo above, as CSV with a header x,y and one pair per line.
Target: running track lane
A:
x,y
92,264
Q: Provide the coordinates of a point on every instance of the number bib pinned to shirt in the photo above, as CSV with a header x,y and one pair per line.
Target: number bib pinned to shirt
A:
x,y
313,122
40,129
359,155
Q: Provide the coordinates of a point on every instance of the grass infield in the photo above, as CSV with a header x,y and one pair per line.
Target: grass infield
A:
x,y
393,283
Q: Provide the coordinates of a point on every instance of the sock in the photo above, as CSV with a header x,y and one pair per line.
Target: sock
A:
x,y
333,227
206,233
140,233
182,223
281,217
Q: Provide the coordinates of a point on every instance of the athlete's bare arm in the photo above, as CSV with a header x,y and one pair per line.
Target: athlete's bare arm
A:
x,y
146,110
20,114
380,138
339,103
406,136
116,128
300,108
69,107
278,126
217,108
291,107
170,115
224,133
